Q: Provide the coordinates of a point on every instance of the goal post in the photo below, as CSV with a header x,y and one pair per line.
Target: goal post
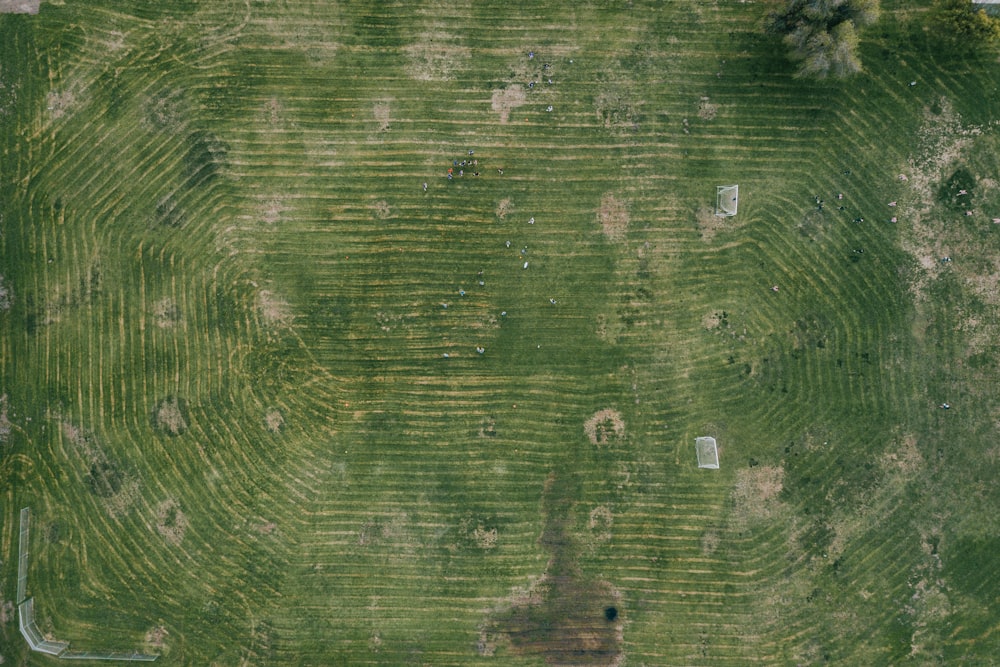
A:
x,y
727,198
708,453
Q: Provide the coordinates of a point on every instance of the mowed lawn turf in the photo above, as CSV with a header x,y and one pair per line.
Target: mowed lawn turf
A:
x,y
281,392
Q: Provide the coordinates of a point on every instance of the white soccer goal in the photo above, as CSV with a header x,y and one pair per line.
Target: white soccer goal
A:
x,y
727,197
708,452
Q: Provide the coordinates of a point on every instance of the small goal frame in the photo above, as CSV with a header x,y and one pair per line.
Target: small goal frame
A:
x,y
708,452
727,199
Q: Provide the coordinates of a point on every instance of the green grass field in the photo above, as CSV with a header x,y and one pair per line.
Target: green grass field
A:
x,y
275,401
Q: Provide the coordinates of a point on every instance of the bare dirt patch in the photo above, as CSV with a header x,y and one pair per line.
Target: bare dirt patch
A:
x,y
604,426
613,217
170,521
166,313
274,420
381,113
756,494
707,110
170,416
504,208
507,99
436,55
272,210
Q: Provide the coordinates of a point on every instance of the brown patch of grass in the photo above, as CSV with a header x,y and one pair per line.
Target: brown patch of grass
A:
x,y
488,428
707,110
436,55
273,111
599,522
5,423
164,111
381,209
485,538
6,296
59,102
709,542
616,110
170,521
905,458
604,425
507,99
271,210
274,420
710,224
266,528
169,416
504,208
562,617
381,113
273,310
19,6
166,314
755,496
156,637
613,217
6,612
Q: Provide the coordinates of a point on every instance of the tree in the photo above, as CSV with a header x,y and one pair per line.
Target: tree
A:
x,y
963,25
821,35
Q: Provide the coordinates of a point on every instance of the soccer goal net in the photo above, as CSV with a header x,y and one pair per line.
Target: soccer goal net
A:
x,y
708,452
727,197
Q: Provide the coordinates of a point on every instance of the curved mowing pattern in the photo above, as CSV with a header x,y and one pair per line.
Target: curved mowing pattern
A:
x,y
284,386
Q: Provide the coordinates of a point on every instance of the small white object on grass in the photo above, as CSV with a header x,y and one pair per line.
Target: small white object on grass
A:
x,y
531,220
525,265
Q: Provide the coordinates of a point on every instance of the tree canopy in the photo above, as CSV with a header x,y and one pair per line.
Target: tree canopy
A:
x,y
963,25
822,35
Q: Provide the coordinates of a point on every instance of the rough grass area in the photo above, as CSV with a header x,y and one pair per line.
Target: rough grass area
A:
x,y
379,333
